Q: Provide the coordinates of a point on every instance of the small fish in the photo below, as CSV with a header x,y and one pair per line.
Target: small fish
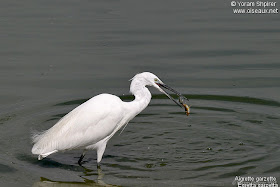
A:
x,y
182,100
187,109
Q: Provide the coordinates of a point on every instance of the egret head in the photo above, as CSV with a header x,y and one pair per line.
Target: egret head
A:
x,y
149,79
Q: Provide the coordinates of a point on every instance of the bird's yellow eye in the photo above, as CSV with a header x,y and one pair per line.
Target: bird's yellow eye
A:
x,y
156,80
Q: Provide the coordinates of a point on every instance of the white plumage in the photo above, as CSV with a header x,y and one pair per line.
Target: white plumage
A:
x,y
93,123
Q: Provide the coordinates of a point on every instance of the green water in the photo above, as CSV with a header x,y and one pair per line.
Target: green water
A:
x,y
56,55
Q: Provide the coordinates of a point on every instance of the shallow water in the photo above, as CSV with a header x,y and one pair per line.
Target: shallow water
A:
x,y
56,55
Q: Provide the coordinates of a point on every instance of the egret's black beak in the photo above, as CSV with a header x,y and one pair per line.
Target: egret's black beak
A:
x,y
161,85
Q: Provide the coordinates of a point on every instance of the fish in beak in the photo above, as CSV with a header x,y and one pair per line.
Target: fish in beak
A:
x,y
182,99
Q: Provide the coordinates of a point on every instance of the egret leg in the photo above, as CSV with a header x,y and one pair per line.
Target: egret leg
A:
x,y
100,151
81,158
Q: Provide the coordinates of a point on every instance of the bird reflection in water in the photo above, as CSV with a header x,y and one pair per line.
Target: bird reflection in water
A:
x,y
44,182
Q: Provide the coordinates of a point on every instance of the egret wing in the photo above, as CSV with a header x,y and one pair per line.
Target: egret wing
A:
x,y
85,125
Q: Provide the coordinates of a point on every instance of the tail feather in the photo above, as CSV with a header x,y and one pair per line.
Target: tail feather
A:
x,y
42,145
41,156
36,136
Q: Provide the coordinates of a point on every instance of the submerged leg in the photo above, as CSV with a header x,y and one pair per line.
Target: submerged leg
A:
x,y
81,158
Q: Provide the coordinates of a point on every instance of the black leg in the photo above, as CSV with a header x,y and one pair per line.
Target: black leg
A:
x,y
81,158
98,165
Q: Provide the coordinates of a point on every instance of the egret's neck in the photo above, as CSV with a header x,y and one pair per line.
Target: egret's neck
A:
x,y
142,97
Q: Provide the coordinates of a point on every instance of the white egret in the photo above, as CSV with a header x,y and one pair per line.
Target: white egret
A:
x,y
93,123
